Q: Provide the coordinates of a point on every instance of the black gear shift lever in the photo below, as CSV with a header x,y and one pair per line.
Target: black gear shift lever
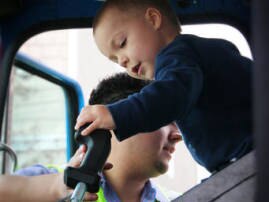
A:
x,y
86,177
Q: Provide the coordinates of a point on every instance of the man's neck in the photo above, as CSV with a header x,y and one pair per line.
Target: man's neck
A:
x,y
128,188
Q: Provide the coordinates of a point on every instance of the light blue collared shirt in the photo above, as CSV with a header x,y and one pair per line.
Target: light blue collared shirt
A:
x,y
148,194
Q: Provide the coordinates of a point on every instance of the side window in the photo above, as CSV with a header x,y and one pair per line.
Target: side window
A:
x,y
222,31
41,109
37,119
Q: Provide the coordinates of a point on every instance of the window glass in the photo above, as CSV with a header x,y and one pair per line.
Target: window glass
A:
x,y
1,161
2,141
38,120
221,31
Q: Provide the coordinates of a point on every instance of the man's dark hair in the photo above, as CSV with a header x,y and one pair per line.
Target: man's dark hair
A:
x,y
125,5
115,88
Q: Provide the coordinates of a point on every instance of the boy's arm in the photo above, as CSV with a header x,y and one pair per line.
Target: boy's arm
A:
x,y
158,104
177,87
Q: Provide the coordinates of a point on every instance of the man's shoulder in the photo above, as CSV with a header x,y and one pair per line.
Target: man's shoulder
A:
x,y
39,169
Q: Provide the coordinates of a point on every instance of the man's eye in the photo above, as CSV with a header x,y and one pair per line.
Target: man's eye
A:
x,y
123,43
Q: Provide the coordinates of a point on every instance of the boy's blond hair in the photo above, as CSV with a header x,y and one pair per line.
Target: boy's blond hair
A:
x,y
126,5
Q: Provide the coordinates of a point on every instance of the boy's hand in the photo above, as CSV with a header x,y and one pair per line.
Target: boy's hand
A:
x,y
99,117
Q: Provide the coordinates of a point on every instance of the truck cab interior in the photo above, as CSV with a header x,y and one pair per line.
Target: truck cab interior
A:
x,y
245,180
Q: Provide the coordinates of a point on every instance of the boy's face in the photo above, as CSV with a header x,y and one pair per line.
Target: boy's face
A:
x,y
130,39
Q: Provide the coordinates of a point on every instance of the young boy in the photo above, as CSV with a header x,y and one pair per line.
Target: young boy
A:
x,y
202,84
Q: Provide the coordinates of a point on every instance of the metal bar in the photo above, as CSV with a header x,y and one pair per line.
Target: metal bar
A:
x,y
79,192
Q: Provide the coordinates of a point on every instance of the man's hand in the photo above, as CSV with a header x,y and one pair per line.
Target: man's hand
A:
x,y
78,157
75,162
99,117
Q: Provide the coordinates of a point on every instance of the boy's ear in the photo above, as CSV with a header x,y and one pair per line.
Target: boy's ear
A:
x,y
154,17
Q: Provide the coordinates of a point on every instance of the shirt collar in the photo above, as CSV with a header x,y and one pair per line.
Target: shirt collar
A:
x,y
148,194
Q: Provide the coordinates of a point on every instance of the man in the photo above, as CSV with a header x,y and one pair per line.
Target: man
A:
x,y
136,159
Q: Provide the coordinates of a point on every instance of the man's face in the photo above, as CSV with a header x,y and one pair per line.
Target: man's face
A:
x,y
148,154
130,39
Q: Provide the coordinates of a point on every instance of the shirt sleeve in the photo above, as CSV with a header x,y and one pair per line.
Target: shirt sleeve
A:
x,y
35,170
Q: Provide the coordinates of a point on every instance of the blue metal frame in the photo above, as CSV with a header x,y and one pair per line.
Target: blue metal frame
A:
x,y
50,14
71,90
47,14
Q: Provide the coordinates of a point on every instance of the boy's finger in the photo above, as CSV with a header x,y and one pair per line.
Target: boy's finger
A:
x,y
89,129
77,126
79,123
81,120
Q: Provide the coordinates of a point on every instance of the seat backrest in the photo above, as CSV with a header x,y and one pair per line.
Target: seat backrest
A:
x,y
234,183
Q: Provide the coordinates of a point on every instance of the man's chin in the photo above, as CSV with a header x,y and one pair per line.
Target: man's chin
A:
x,y
162,167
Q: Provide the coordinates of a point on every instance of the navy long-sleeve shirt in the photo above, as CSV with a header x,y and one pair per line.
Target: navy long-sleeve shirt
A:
x,y
205,86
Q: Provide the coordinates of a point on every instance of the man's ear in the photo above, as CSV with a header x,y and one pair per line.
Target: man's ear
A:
x,y
154,17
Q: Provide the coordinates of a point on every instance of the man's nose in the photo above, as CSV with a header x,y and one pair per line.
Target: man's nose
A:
x,y
175,137
123,61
